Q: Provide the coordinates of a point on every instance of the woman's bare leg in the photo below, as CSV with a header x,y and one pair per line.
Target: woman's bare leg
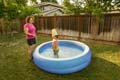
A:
x,y
30,50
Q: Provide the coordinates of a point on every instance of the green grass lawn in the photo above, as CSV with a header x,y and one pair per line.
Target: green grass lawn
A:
x,y
15,64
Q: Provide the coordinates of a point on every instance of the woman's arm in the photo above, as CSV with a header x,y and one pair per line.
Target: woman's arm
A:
x,y
26,32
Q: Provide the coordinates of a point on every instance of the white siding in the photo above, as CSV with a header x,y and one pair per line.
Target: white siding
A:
x,y
54,13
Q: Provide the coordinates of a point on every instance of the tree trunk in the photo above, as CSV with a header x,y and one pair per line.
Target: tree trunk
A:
x,y
5,3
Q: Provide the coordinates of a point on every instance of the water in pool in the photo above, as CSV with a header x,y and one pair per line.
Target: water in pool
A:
x,y
64,52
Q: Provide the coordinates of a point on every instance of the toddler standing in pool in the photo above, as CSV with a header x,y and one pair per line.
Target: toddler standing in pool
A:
x,y
55,43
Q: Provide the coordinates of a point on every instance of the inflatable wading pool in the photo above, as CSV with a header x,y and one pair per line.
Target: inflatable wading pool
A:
x,y
73,56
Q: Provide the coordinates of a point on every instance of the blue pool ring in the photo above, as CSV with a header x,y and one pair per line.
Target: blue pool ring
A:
x,y
63,65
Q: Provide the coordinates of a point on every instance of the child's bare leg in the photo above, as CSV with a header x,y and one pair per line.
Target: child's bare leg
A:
x,y
56,54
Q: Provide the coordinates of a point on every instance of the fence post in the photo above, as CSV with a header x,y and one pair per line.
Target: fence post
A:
x,y
0,26
95,27
79,26
36,22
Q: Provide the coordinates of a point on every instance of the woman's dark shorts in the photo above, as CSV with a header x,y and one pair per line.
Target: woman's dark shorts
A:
x,y
31,41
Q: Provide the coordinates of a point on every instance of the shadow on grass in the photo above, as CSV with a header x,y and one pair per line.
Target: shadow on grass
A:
x,y
99,69
100,48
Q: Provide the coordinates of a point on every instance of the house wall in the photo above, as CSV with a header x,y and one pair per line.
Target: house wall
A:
x,y
54,13
49,7
51,10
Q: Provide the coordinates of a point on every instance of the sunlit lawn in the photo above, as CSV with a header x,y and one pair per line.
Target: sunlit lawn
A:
x,y
15,64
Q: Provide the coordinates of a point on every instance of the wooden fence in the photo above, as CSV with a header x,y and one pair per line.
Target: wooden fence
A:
x,y
83,26
78,26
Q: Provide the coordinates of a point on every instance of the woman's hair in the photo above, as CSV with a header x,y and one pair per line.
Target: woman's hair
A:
x,y
28,18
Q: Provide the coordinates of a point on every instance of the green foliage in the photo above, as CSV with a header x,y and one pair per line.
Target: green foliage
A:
x,y
68,7
2,8
9,28
95,7
28,11
16,9
21,2
72,8
12,11
18,2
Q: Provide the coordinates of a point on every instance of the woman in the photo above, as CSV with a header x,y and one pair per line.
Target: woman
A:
x,y
30,31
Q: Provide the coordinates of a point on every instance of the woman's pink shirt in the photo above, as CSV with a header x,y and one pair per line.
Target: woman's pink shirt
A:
x,y
31,29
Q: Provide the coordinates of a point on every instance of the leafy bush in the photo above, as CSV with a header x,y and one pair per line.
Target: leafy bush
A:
x,y
28,11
